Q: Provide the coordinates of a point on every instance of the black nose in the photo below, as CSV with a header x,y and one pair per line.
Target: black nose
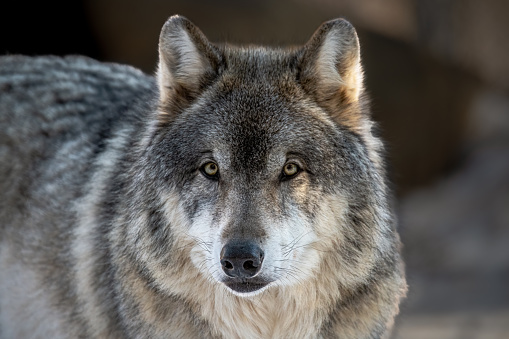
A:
x,y
241,259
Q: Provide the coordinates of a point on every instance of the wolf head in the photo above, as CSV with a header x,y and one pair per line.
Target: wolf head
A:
x,y
266,171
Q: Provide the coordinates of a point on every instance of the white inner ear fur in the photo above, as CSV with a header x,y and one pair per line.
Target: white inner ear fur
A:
x,y
336,50
189,64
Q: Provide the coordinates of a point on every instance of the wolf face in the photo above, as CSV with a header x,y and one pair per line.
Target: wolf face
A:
x,y
262,148
255,182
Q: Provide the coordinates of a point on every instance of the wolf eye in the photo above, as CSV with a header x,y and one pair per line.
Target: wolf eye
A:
x,y
210,170
290,170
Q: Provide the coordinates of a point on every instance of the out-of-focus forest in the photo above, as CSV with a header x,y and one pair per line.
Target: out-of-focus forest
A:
x,y
438,75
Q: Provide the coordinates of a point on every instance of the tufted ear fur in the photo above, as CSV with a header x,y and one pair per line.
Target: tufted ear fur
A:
x,y
330,69
188,62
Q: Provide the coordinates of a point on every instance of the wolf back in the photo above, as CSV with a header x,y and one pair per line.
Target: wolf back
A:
x,y
239,193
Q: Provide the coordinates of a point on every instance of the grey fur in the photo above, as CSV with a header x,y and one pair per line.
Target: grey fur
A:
x,y
109,228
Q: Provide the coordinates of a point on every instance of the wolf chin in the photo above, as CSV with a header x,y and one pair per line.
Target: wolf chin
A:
x,y
240,193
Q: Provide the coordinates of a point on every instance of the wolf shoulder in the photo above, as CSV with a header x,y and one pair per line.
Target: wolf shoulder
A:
x,y
51,104
39,92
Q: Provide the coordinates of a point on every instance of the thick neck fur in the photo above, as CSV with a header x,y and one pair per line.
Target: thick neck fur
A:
x,y
279,312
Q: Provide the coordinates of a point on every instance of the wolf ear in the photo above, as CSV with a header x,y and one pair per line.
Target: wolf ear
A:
x,y
188,62
330,67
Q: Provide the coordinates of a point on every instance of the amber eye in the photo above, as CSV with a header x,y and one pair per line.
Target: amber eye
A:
x,y
210,169
290,169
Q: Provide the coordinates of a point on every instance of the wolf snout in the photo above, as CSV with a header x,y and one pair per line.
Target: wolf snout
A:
x,y
241,259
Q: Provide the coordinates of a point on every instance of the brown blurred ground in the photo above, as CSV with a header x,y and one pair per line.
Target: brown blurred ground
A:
x,y
438,75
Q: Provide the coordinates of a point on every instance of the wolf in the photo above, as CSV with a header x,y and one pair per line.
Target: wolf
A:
x,y
239,193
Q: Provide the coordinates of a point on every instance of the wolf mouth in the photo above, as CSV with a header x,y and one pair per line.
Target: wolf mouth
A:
x,y
246,285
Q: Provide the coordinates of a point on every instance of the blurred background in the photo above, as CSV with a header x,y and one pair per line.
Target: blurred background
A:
x,y
438,75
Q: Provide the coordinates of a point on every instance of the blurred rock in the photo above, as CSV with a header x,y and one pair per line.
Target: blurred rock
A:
x,y
422,106
456,237
460,224
480,325
469,33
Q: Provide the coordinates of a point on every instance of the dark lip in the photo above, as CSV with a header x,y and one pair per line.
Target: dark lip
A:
x,y
247,285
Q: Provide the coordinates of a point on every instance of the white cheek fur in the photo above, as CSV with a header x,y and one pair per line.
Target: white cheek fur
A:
x,y
290,256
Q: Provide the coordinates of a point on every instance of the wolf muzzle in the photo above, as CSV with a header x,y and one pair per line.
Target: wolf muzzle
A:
x,y
241,259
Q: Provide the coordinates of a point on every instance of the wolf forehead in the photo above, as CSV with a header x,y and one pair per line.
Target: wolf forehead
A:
x,y
251,116
255,91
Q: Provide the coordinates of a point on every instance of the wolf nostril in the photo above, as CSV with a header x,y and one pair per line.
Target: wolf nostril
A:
x,y
241,259
249,265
